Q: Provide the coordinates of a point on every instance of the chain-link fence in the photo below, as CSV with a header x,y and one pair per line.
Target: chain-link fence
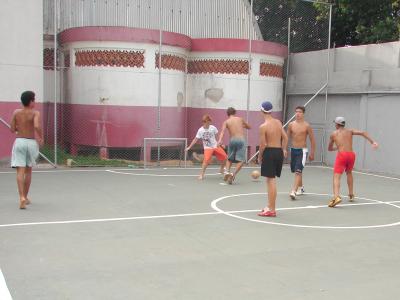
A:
x,y
108,92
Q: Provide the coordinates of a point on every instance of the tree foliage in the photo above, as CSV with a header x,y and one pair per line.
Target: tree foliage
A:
x,y
308,31
354,22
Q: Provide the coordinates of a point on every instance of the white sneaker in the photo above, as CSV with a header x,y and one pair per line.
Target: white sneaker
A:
x,y
292,195
300,191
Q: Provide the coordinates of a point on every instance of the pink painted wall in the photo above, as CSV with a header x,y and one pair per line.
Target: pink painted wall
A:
x,y
122,126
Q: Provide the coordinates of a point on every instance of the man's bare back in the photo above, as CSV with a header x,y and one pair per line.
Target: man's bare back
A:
x,y
235,126
343,139
25,122
273,131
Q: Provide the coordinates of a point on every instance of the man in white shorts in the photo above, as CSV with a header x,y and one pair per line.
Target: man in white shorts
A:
x,y
25,123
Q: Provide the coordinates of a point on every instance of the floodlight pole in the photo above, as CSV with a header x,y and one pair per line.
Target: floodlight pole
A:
x,y
284,109
249,71
324,139
159,81
55,83
327,75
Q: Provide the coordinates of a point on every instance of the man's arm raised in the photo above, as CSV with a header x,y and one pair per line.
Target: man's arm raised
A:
x,y
366,136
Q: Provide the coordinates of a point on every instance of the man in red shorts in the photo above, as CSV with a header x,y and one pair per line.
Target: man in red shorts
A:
x,y
342,141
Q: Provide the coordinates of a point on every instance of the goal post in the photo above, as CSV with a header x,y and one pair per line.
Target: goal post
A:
x,y
164,152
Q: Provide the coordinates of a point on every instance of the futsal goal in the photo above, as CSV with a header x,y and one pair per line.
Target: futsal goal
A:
x,y
168,152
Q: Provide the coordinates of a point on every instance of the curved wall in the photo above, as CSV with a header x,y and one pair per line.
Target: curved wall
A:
x,y
112,84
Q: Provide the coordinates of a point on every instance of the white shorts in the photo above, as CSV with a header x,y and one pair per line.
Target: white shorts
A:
x,y
24,153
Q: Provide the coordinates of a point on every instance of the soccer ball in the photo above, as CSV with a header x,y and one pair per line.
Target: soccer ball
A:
x,y
255,174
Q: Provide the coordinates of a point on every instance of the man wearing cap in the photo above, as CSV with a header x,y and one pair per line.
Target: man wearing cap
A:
x,y
342,141
237,143
273,144
298,130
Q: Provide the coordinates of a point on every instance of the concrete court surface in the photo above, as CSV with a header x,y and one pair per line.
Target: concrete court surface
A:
x,y
162,234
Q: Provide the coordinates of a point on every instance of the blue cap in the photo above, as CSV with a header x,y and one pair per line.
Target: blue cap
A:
x,y
266,107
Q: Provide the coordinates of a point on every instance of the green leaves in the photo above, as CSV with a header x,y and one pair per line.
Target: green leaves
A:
x,y
354,22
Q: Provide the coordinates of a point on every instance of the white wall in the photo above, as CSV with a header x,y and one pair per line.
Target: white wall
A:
x,y
21,51
235,86
124,86
364,87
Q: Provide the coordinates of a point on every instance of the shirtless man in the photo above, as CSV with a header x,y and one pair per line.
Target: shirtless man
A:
x,y
273,145
237,143
342,141
25,123
298,130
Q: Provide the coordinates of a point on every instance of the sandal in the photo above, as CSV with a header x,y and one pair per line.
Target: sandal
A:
x,y
267,213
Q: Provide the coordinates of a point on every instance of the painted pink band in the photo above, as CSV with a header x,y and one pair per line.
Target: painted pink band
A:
x,y
123,34
238,45
141,35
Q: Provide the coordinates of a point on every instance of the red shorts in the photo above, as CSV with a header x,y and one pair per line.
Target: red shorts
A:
x,y
218,152
344,162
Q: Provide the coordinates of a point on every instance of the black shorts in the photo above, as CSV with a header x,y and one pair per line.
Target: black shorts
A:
x,y
272,162
298,159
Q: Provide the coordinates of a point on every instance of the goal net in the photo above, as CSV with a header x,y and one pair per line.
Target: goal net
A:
x,y
168,152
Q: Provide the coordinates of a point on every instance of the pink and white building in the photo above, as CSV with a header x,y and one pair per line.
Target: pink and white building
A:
x,y
111,91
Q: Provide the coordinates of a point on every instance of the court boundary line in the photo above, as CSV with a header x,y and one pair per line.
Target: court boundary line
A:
x,y
161,175
197,168
4,291
215,212
230,214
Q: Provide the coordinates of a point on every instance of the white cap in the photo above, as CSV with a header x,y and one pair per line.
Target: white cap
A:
x,y
340,121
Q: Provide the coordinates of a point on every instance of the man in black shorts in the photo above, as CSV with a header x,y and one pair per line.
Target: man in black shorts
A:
x,y
273,145
298,131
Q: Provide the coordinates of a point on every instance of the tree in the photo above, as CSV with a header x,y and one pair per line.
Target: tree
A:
x,y
308,32
356,22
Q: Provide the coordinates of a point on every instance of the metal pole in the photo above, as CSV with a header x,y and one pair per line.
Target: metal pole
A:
x,y
324,139
287,71
144,153
55,82
159,82
249,72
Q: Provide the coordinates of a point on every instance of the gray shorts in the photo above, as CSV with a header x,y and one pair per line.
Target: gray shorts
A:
x,y
237,150
24,153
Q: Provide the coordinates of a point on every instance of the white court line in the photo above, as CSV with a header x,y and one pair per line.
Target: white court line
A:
x,y
160,175
357,172
185,215
138,169
4,292
228,213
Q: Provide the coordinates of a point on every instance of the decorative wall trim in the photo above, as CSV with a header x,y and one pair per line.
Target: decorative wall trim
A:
x,y
48,59
67,59
271,70
171,61
224,66
110,58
